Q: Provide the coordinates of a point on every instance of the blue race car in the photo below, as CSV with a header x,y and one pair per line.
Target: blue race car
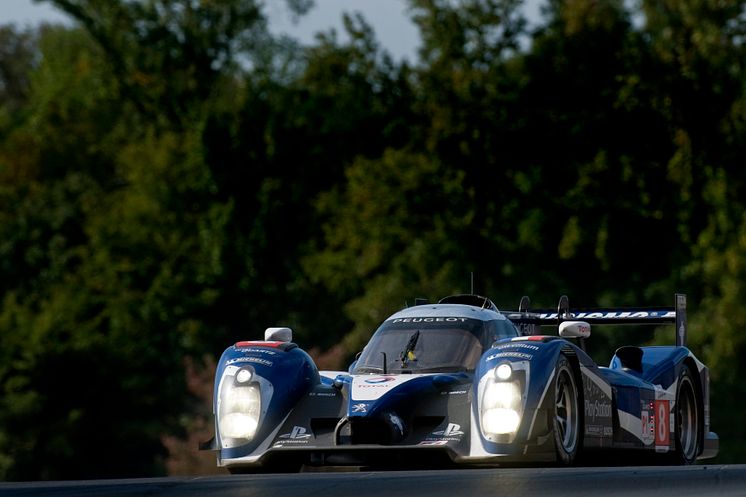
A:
x,y
461,383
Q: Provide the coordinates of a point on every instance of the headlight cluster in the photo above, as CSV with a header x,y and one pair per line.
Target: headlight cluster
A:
x,y
502,402
239,408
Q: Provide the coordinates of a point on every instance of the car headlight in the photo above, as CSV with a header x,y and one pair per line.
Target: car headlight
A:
x,y
501,403
239,410
244,376
500,407
503,372
500,421
501,395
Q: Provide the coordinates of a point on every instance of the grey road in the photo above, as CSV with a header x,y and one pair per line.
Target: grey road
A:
x,y
575,482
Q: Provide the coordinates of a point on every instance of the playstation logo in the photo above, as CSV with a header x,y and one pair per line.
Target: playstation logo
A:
x,y
451,430
298,433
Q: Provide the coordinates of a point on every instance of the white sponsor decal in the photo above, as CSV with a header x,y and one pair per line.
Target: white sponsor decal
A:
x,y
597,409
640,427
516,355
433,442
647,422
255,360
258,350
429,320
451,430
517,345
452,433
599,430
298,433
373,387
614,315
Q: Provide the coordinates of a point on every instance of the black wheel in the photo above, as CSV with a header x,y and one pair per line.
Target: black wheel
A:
x,y
567,415
687,419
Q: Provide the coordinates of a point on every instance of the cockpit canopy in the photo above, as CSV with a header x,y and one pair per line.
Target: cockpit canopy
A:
x,y
431,344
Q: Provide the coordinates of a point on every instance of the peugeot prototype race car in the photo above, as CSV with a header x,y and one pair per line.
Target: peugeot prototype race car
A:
x,y
461,383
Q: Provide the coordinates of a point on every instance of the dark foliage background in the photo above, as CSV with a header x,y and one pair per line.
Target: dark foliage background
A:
x,y
174,178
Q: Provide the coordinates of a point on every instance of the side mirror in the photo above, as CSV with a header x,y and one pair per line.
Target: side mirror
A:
x,y
278,335
574,329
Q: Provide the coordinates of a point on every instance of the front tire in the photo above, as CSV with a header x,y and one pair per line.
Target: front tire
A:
x,y
687,419
567,416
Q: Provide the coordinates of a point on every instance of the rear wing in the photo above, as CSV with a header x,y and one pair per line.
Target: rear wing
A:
x,y
529,321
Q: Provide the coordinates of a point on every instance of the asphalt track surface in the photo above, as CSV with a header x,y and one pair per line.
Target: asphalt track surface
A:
x,y
526,482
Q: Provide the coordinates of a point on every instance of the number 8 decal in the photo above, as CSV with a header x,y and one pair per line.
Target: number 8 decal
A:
x,y
662,423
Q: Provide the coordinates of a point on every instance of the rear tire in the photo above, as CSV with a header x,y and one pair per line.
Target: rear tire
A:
x,y
687,419
567,424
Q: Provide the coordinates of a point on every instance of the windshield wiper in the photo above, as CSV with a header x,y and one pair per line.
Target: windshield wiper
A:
x,y
408,353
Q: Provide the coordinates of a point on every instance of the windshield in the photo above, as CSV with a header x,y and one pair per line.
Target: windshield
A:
x,y
429,345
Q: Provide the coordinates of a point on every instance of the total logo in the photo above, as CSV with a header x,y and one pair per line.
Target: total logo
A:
x,y
452,430
380,379
298,433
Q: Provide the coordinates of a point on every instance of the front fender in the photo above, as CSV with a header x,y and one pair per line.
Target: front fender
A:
x,y
534,360
284,375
